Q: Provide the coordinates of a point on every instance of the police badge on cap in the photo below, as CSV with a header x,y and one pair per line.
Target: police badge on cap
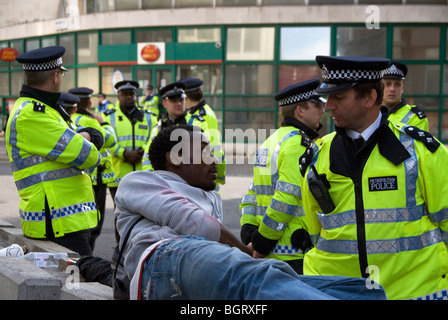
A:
x,y
299,92
174,90
397,70
342,73
42,59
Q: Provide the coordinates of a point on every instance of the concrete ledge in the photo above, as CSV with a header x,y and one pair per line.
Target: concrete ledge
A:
x,y
87,291
22,280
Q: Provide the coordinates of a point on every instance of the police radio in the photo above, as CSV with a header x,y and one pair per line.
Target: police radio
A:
x,y
319,186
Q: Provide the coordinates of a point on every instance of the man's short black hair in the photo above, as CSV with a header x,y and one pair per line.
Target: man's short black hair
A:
x,y
162,144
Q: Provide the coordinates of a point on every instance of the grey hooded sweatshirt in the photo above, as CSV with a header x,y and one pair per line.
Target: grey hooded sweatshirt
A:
x,y
170,207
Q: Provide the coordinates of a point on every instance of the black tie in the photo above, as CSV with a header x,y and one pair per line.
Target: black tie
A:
x,y
358,142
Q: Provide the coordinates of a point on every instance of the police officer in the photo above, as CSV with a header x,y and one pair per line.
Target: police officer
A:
x,y
200,114
103,103
48,158
272,215
173,100
132,128
374,197
400,110
150,100
69,102
104,173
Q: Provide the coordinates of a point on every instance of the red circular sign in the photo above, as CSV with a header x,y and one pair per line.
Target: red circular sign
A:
x,y
150,53
8,54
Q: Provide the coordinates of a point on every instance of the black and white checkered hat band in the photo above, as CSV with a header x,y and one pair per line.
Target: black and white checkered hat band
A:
x,y
49,65
296,98
393,71
351,75
175,92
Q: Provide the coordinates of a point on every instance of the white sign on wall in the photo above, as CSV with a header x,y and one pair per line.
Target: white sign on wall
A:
x,y
151,53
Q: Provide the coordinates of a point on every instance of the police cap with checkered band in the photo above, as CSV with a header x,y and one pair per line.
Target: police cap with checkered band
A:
x,y
42,59
127,85
81,92
299,92
68,100
342,73
175,90
397,70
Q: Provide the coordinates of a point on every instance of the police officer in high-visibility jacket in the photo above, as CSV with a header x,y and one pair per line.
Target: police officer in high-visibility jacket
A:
x,y
173,100
49,159
132,129
374,195
400,110
272,220
104,173
150,101
200,114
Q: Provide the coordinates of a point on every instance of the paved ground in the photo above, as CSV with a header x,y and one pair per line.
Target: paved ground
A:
x,y
238,180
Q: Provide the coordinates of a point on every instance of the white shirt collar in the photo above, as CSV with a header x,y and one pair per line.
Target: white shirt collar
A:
x,y
366,133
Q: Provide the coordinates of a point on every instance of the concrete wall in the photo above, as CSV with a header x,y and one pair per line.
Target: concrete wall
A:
x,y
40,18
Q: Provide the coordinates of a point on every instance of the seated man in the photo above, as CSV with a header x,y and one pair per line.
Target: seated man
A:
x,y
181,250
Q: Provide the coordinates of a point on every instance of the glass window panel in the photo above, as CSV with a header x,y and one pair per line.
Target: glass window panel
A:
x,y
304,43
4,85
47,42
412,43
164,35
105,5
4,65
149,4
360,41
211,75
31,44
250,79
282,2
250,43
88,77
68,42
194,3
17,44
116,37
232,3
87,47
69,80
425,2
289,74
107,78
196,35
243,126
17,80
381,1
422,79
127,5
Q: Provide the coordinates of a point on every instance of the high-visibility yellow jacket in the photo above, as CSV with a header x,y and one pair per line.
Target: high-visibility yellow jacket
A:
x,y
151,103
273,202
129,137
391,211
411,115
48,160
203,116
106,170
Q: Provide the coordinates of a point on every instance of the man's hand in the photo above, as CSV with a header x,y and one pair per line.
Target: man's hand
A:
x,y
132,156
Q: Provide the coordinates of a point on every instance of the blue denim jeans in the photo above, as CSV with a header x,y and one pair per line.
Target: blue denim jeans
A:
x,y
198,269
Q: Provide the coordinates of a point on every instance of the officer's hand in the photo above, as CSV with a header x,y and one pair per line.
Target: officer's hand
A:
x,y
85,135
132,156
258,255
98,117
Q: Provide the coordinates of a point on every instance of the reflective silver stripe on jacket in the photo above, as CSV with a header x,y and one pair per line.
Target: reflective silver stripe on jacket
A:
x,y
36,216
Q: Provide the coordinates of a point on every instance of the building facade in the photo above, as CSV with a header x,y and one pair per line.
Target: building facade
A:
x,y
244,50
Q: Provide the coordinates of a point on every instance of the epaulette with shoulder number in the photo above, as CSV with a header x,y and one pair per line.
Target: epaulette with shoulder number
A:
x,y
420,113
39,107
418,134
108,112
